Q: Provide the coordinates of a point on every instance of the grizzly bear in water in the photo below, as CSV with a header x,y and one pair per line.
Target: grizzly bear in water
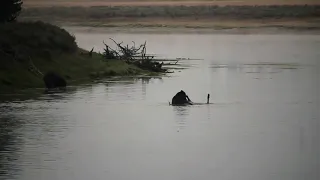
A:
x,y
181,98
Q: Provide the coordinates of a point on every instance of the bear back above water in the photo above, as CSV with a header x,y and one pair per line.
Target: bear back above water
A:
x,y
181,98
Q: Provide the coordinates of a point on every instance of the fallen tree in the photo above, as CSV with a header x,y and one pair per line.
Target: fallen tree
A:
x,y
133,55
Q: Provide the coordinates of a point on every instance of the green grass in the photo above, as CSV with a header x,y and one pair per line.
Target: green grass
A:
x,y
75,68
51,49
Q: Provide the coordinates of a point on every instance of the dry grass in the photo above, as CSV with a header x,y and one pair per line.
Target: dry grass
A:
x,y
46,3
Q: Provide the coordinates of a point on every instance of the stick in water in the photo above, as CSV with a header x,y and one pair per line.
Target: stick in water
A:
x,y
208,97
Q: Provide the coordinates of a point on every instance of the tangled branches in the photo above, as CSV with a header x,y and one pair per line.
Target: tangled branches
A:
x,y
133,55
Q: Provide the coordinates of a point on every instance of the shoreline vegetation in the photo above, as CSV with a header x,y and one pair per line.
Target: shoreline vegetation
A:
x,y
41,39
28,50
182,18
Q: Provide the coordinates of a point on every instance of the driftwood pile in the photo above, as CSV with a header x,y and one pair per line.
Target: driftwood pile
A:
x,y
133,55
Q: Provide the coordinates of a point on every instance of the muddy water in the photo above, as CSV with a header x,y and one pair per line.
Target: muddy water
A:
x,y
263,123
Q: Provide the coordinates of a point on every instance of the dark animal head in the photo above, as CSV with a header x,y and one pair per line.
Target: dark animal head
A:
x,y
182,93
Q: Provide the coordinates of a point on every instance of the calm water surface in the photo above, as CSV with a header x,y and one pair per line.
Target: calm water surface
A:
x,y
263,125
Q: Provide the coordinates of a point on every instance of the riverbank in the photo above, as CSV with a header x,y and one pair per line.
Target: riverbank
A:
x,y
182,19
29,50
86,3
198,27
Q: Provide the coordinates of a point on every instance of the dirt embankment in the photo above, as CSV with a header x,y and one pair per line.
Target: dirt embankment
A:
x,y
87,3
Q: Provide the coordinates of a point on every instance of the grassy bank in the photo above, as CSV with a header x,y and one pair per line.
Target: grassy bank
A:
x,y
49,48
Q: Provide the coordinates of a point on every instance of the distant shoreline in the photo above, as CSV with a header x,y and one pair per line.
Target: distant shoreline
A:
x,y
183,19
88,3
200,26
168,30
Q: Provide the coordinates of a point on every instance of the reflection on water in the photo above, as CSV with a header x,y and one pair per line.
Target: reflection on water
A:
x,y
181,115
9,139
263,122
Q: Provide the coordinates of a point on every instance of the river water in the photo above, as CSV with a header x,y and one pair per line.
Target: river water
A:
x,y
263,123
